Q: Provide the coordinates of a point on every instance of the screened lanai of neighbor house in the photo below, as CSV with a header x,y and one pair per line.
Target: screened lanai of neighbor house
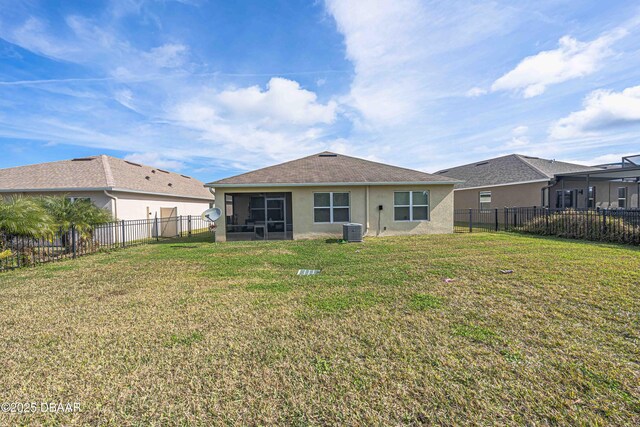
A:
x,y
614,186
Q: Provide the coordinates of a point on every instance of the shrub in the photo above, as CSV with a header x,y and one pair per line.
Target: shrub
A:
x,y
587,225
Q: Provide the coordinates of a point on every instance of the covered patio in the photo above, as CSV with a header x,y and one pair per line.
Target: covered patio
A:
x,y
258,216
613,187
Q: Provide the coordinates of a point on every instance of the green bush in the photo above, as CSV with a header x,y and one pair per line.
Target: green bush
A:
x,y
587,225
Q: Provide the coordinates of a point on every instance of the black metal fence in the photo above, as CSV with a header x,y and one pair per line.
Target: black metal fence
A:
x,y
22,251
607,225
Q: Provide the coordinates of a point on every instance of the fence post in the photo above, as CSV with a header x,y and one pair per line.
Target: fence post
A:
x,y
546,219
123,235
189,226
470,220
73,240
157,231
604,221
496,215
506,218
179,223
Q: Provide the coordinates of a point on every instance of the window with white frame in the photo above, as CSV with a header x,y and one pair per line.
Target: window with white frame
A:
x,y
411,205
331,207
78,199
485,200
622,197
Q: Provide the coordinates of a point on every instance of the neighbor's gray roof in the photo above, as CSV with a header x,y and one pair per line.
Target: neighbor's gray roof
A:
x,y
510,169
331,168
100,173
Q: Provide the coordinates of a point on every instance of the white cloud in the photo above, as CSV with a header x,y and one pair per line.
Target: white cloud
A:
x,y
520,130
170,55
125,97
154,159
475,92
572,59
602,109
283,101
251,124
517,142
394,44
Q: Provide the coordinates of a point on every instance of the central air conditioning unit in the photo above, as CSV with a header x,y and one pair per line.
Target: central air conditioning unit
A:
x,y
352,232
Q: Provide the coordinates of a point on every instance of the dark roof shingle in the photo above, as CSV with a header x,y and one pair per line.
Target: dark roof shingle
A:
x,y
331,168
510,169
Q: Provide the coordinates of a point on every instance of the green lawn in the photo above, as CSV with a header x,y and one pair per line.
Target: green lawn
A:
x,y
196,333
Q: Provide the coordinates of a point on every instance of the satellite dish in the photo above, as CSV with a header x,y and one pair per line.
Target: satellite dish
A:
x,y
212,214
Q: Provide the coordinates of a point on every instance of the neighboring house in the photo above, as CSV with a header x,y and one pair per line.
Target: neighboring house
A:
x,y
128,190
313,196
509,181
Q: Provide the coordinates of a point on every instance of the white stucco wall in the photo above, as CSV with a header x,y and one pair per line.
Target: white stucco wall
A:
x,y
132,205
141,206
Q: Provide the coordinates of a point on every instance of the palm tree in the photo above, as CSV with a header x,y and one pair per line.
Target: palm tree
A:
x,y
22,216
80,213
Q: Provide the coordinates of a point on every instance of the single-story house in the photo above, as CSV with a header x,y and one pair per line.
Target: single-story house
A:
x,y
313,196
509,181
128,190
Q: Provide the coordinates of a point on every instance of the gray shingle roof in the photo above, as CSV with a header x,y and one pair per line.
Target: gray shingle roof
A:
x,y
331,168
510,169
100,173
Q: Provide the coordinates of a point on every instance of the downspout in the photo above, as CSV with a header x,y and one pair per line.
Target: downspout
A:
x,y
115,203
115,209
552,183
366,211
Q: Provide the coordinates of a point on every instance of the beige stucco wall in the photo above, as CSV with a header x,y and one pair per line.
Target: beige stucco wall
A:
x,y
516,195
363,199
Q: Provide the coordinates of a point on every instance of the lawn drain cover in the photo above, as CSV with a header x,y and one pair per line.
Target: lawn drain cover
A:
x,y
302,272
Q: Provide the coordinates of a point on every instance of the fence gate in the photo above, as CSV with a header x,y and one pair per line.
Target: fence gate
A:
x,y
169,219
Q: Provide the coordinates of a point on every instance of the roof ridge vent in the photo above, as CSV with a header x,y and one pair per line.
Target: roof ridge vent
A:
x,y
162,170
83,159
185,176
132,163
327,155
482,163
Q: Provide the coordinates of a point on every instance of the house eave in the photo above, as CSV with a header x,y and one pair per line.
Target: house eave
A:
x,y
115,189
503,185
329,184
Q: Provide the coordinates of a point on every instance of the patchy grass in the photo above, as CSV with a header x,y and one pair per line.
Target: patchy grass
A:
x,y
195,333
425,302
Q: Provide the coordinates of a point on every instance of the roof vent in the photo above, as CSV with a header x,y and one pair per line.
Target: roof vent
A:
x,y
185,176
170,184
134,164
83,159
153,171
147,177
163,171
327,155
483,163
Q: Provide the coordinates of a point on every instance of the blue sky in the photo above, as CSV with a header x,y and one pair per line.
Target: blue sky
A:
x,y
215,88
